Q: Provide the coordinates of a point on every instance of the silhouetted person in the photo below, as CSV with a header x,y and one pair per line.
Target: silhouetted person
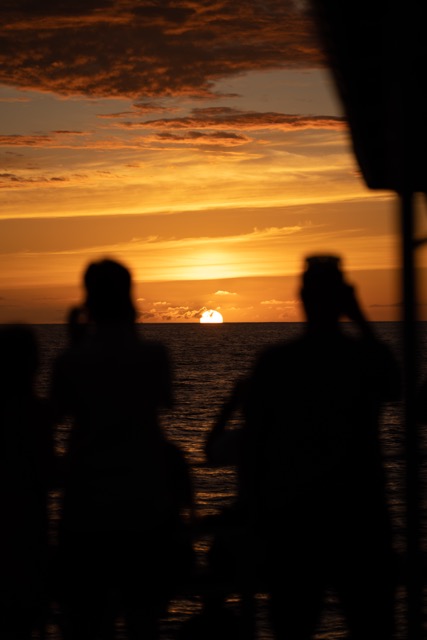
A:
x,y
314,463
123,543
26,471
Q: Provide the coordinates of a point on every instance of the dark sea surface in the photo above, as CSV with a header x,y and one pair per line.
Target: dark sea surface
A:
x,y
208,359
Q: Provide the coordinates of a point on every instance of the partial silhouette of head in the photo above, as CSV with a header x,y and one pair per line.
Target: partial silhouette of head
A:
x,y
108,293
322,290
19,357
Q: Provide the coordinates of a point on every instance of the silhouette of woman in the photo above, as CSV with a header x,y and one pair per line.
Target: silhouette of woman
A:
x,y
313,451
122,541
26,471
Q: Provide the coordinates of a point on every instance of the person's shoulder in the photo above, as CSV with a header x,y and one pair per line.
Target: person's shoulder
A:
x,y
280,350
178,466
367,345
152,346
154,352
174,453
274,361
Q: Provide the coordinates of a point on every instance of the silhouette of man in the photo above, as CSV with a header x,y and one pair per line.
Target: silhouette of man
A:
x,y
122,538
26,474
313,461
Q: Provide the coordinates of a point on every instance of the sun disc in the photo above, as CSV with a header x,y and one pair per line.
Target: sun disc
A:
x,y
211,316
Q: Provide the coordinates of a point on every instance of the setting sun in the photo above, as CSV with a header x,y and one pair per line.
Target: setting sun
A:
x,y
211,316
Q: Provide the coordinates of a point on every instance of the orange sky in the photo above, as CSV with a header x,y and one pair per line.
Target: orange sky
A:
x,y
200,142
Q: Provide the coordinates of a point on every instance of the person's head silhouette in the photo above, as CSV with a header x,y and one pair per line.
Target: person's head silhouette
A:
x,y
108,293
323,290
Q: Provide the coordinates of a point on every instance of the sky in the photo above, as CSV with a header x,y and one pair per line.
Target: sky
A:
x,y
199,142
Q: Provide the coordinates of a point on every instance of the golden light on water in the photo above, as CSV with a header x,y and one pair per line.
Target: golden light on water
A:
x,y
211,316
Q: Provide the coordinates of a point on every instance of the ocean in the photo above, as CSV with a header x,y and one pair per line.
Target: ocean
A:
x,y
207,360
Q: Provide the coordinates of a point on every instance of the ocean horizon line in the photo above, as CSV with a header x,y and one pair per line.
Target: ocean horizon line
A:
x,y
225,322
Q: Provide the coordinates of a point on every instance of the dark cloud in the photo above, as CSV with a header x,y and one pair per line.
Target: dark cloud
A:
x,y
24,141
138,109
224,118
67,132
223,138
161,13
69,140
37,8
8,179
144,48
170,313
59,138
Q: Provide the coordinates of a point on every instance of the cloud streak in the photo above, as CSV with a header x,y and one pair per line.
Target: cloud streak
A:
x,y
212,126
225,118
228,139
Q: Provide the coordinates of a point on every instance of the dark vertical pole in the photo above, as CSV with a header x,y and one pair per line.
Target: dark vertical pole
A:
x,y
413,565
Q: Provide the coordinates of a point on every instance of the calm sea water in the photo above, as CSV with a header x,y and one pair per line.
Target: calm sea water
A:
x,y
208,359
